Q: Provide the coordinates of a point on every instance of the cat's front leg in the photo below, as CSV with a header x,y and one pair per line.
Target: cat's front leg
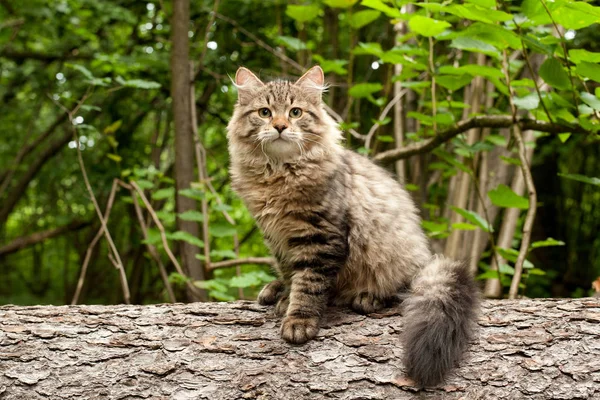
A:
x,y
271,293
307,301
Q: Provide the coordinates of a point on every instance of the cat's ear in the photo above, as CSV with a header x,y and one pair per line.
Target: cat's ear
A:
x,y
247,83
313,83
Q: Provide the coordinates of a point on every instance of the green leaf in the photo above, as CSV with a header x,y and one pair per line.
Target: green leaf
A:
x,y
534,44
426,26
582,178
503,196
114,157
380,6
536,271
86,72
512,255
144,184
165,216
484,3
245,280
463,226
496,35
186,237
223,253
498,140
192,194
434,227
474,218
220,229
191,215
529,102
302,14
335,66
489,274
563,137
368,49
291,43
506,269
509,160
590,100
546,243
363,18
340,3
166,193
476,13
139,84
589,70
451,160
362,90
579,55
453,82
553,73
576,14
474,45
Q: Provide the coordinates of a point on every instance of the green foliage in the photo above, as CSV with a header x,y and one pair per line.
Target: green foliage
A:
x,y
119,56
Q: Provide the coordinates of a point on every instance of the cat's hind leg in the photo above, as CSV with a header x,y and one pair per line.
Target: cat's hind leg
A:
x,y
366,303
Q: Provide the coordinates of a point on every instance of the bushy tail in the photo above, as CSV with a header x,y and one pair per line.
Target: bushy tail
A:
x,y
438,318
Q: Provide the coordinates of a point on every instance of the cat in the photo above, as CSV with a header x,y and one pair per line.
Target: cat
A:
x,y
342,229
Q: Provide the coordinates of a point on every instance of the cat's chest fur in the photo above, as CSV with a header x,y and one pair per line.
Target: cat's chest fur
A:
x,y
275,197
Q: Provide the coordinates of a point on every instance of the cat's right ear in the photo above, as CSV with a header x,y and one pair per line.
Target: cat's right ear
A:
x,y
247,83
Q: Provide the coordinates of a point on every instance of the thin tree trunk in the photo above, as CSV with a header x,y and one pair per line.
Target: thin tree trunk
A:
x,y
184,143
461,194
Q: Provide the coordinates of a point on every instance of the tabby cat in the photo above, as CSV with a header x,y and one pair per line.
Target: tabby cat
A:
x,y
342,230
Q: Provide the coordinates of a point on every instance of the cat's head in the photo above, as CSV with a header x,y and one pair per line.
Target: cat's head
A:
x,y
281,120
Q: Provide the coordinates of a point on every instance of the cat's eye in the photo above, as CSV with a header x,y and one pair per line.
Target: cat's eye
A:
x,y
264,112
295,112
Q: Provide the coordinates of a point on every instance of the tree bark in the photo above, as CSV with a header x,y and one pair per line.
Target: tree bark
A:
x,y
184,142
525,349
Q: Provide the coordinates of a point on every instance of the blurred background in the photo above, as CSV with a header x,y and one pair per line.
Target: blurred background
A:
x,y
141,92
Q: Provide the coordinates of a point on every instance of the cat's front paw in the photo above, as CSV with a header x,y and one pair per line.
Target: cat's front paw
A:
x,y
271,293
299,330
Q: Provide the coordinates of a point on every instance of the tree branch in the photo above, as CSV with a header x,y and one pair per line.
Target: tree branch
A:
x,y
26,241
17,55
242,261
484,121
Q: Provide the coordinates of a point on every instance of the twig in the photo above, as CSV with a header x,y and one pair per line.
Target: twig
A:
x,y
485,121
88,253
241,261
163,235
211,21
529,218
385,111
151,248
111,243
38,237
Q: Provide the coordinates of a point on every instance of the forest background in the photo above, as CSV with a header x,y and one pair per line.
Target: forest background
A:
x,y
114,179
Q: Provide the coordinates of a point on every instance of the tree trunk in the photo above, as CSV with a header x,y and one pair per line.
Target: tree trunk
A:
x,y
525,349
184,142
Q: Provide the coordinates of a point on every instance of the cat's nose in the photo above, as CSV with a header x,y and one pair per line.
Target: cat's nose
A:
x,y
280,126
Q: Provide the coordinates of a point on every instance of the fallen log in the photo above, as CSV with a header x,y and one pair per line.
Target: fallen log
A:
x,y
525,349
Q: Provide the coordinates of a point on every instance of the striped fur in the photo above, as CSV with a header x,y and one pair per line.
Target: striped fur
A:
x,y
342,229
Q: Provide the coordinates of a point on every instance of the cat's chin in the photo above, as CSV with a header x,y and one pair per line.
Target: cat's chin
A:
x,y
282,149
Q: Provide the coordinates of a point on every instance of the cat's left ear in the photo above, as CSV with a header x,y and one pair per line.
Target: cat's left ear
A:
x,y
313,83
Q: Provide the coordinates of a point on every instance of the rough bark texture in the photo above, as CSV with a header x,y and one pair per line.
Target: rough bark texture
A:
x,y
528,349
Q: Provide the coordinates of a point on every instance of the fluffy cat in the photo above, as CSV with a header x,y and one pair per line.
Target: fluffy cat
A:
x,y
342,229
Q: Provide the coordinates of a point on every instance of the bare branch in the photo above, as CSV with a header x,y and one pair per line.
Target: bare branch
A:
x,y
242,261
486,121
151,248
26,241
382,116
